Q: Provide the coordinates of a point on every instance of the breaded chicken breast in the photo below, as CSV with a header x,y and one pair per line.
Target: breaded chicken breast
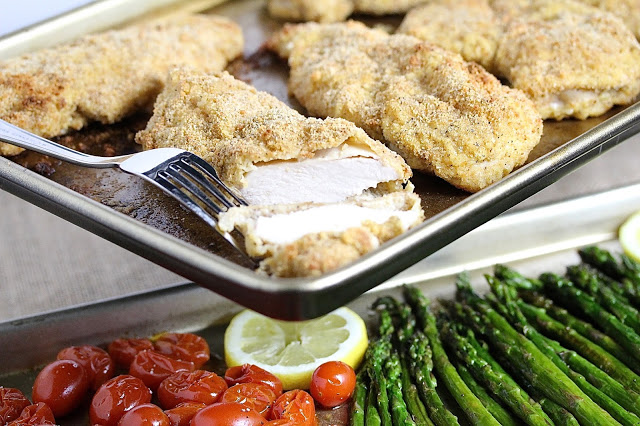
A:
x,y
570,59
268,151
310,239
443,115
468,27
335,10
107,76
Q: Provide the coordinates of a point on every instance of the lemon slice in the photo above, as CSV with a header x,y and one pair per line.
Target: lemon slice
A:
x,y
293,350
629,236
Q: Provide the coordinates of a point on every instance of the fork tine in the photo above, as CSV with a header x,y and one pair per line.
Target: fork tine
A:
x,y
208,169
189,181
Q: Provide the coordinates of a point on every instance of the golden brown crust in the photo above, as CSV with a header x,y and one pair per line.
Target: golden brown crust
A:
x,y
443,115
107,76
233,126
335,10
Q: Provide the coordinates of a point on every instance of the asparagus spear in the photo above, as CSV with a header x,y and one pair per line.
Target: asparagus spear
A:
x,y
575,325
600,357
469,403
412,397
359,398
377,354
588,305
588,280
539,370
372,416
492,380
627,272
399,411
513,278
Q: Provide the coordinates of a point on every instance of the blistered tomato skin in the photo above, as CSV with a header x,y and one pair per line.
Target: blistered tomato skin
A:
x,y
296,406
123,351
249,373
183,346
332,383
257,396
153,367
97,362
145,415
115,397
181,414
197,386
62,385
35,414
227,414
12,402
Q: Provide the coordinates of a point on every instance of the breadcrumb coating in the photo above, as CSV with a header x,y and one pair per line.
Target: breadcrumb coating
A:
x,y
233,126
443,115
335,10
107,76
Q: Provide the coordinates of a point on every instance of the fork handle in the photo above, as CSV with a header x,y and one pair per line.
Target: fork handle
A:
x,y
24,139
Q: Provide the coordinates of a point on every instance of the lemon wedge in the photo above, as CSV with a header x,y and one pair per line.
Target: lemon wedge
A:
x,y
293,350
629,236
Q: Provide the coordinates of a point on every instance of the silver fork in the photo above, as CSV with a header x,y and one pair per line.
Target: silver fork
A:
x,y
179,173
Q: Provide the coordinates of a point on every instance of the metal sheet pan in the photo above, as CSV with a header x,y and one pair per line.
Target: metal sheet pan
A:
x,y
134,216
28,343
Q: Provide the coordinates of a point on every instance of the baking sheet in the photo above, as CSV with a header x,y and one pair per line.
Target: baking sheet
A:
x,y
136,216
28,343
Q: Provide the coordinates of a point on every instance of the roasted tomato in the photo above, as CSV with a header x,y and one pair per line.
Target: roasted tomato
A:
x,y
145,415
249,373
62,385
36,414
96,362
123,351
153,367
258,396
12,402
332,383
227,414
197,386
115,397
297,406
183,346
181,414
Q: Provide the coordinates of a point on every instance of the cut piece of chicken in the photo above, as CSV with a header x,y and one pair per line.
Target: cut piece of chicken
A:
x,y
265,149
335,10
468,27
311,239
443,115
572,60
107,76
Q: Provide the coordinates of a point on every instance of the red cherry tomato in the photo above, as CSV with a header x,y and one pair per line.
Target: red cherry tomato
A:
x,y
153,367
35,414
227,414
197,386
96,362
249,373
181,414
144,415
115,397
62,385
258,396
296,406
12,402
183,346
332,383
123,351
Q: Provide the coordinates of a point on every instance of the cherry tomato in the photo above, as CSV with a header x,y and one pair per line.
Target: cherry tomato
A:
x,y
332,383
183,346
153,367
145,415
181,414
296,406
62,385
12,402
35,414
115,397
258,396
249,373
123,351
197,386
96,362
227,414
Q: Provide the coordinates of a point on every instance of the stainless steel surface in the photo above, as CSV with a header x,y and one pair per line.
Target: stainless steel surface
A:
x,y
303,298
